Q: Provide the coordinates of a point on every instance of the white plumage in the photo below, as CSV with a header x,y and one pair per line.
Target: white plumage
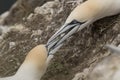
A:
x,y
82,16
34,65
37,59
94,10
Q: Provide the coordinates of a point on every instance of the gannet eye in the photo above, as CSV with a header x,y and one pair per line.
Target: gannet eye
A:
x,y
75,22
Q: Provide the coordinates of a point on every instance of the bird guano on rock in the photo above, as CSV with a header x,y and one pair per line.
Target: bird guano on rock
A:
x,y
109,67
82,16
113,48
34,65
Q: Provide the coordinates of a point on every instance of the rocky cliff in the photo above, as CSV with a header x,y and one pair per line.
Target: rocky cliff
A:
x,y
33,22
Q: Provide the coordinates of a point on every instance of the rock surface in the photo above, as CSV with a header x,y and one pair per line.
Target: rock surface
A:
x,y
75,59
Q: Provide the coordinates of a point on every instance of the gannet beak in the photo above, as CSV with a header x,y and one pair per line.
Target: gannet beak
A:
x,y
56,41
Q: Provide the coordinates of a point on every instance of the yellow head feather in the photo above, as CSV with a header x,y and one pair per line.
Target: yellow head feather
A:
x,y
38,56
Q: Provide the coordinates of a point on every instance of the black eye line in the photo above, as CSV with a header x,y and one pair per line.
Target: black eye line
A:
x,y
75,22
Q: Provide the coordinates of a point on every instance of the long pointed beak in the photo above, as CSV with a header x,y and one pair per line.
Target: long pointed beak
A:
x,y
113,48
56,41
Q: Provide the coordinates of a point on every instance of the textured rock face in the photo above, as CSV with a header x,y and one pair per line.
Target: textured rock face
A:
x,y
21,9
80,52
